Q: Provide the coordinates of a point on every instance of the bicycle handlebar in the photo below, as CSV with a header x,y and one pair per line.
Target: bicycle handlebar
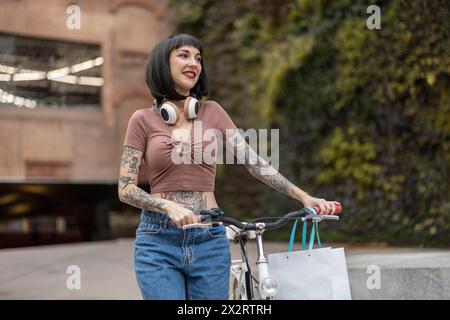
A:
x,y
268,226
281,221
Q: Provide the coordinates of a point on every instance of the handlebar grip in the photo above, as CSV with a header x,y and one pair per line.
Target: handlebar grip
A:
x,y
337,211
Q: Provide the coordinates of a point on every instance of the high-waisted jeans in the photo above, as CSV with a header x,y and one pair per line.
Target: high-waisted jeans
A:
x,y
176,264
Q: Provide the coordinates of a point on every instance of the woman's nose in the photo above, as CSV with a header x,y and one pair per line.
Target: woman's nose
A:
x,y
193,62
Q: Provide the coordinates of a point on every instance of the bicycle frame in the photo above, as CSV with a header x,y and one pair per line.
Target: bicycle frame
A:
x,y
239,271
241,286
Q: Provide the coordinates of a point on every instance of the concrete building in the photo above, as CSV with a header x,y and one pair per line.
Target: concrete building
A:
x,y
71,74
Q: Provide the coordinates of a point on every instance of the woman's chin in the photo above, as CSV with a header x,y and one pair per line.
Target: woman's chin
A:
x,y
187,87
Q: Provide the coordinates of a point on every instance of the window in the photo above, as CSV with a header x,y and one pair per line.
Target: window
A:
x,y
47,73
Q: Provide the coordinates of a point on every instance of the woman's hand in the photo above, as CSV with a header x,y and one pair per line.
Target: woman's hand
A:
x,y
326,207
180,215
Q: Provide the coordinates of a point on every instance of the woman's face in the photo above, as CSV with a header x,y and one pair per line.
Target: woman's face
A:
x,y
185,68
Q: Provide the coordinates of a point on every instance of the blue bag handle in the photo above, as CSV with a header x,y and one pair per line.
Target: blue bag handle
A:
x,y
314,232
315,226
291,240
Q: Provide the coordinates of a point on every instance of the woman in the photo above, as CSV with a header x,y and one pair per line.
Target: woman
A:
x,y
172,263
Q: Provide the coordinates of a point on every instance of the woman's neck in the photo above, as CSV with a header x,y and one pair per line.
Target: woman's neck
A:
x,y
179,104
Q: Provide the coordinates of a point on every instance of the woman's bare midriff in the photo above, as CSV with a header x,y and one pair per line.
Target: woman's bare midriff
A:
x,y
194,200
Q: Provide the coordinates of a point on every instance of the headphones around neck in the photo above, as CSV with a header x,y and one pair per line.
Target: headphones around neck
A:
x,y
170,114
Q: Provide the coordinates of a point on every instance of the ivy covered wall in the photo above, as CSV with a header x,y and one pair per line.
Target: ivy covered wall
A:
x,y
364,115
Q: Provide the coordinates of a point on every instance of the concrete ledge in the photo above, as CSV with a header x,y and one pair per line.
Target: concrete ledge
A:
x,y
403,275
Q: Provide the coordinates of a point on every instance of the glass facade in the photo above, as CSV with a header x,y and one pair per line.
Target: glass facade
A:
x,y
49,73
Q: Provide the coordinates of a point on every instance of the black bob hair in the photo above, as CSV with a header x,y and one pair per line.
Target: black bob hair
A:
x,y
158,77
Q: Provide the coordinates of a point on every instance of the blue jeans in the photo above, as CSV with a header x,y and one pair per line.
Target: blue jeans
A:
x,y
176,264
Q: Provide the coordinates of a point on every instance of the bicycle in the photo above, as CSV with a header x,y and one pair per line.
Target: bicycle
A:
x,y
241,284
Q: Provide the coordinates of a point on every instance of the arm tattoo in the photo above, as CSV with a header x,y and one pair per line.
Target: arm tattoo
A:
x,y
274,180
260,168
138,198
129,167
131,160
194,200
129,192
124,181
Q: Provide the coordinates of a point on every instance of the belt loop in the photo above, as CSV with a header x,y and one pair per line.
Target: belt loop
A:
x,y
165,222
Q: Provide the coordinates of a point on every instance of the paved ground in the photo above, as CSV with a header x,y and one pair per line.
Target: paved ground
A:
x,y
107,268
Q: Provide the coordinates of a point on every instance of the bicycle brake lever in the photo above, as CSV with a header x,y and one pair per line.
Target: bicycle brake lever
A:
x,y
318,218
201,225
325,217
197,225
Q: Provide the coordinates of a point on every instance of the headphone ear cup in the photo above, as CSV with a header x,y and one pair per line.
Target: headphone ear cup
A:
x,y
191,108
168,113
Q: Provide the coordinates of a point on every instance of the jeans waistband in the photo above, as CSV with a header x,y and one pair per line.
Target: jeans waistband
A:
x,y
154,216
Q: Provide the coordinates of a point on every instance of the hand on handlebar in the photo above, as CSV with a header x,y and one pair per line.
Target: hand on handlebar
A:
x,y
323,206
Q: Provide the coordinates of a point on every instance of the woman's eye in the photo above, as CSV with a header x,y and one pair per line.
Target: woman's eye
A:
x,y
185,56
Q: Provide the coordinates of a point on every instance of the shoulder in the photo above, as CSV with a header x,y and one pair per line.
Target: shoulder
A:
x,y
212,106
219,116
141,118
142,115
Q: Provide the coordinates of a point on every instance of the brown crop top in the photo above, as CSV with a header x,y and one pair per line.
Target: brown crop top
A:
x,y
183,168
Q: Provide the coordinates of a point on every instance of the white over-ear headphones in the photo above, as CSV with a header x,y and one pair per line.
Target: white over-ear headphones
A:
x,y
170,114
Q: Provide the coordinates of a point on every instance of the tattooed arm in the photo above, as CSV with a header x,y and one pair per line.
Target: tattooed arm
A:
x,y
263,171
129,192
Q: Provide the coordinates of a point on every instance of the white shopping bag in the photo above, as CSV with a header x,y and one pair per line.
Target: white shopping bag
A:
x,y
310,273
302,276
339,279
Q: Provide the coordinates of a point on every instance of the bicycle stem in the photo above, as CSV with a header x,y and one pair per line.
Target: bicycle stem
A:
x,y
260,247
261,262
